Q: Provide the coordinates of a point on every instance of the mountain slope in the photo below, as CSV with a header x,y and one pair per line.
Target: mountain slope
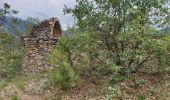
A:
x,y
16,26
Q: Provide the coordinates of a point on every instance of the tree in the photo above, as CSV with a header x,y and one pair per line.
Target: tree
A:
x,y
63,74
125,28
4,11
10,55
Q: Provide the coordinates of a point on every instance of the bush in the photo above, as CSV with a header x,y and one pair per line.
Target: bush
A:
x,y
63,75
127,35
141,96
10,59
113,91
14,97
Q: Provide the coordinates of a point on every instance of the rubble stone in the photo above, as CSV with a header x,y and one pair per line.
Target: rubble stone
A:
x,y
37,46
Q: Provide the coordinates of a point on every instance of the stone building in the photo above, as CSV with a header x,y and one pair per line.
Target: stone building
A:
x,y
37,46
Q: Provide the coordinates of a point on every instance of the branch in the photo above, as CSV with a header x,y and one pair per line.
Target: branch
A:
x,y
145,60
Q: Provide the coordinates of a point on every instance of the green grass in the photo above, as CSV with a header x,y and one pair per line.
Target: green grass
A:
x,y
14,97
141,96
3,83
20,81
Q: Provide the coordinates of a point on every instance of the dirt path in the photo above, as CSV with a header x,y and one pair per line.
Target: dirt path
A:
x,y
12,89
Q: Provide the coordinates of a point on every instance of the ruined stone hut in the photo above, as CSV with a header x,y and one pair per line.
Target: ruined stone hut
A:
x,y
37,46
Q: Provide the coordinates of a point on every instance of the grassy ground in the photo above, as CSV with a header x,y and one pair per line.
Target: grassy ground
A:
x,y
141,86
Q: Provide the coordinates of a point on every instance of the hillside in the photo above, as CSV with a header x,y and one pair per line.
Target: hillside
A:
x,y
17,26
115,50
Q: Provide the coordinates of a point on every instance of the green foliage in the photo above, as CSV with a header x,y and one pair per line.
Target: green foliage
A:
x,y
10,55
20,81
3,83
29,24
124,29
140,83
63,75
141,96
113,91
14,97
112,37
4,11
168,86
20,84
116,79
153,90
10,59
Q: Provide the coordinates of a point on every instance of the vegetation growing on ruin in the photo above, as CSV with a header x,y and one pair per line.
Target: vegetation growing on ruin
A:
x,y
117,49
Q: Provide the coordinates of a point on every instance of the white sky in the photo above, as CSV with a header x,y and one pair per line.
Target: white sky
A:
x,y
43,9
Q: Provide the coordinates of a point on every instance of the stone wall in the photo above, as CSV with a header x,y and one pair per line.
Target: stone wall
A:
x,y
37,46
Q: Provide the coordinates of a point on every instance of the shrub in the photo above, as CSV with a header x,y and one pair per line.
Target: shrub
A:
x,y
113,91
116,79
14,97
10,59
141,96
140,83
63,75
127,34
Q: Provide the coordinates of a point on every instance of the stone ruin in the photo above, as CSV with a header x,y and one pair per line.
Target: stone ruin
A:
x,y
37,46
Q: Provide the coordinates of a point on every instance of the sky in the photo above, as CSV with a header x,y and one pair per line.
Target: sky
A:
x,y
43,9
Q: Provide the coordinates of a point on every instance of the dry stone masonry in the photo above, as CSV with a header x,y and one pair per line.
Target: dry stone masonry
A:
x,y
37,46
